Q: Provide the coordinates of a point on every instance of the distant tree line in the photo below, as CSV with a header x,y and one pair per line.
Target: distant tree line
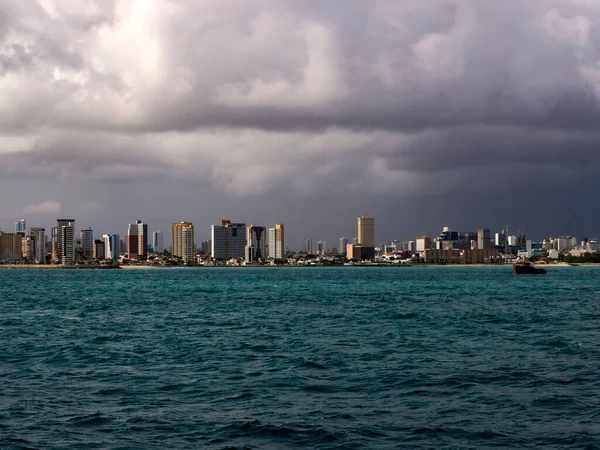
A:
x,y
585,258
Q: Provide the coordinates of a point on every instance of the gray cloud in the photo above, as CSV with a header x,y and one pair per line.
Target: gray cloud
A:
x,y
379,106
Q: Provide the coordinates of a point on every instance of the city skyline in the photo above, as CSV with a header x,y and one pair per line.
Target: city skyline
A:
x,y
234,241
298,242
472,114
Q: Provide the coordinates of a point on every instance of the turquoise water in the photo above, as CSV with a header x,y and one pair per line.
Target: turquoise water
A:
x,y
368,358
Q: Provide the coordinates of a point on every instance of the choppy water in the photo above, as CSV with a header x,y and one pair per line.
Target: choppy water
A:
x,y
368,358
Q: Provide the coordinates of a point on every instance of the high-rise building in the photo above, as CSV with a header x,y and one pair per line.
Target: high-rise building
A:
x,y
256,244
366,231
205,247
87,243
137,240
67,239
39,244
343,246
183,241
27,247
228,240
112,246
309,247
423,243
57,242
157,241
10,247
99,246
20,226
483,239
321,247
276,242
565,243
500,239
54,244
366,238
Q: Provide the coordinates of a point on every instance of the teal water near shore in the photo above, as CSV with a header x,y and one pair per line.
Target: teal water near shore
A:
x,y
369,358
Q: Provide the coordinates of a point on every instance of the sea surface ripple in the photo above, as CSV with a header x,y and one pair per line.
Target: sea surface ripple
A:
x,y
324,358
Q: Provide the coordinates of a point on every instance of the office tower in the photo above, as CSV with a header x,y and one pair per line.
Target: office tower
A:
x,y
57,238
309,248
20,226
529,247
39,244
366,231
67,239
521,239
228,240
87,243
352,251
157,241
366,238
54,244
112,246
137,240
99,246
27,247
483,239
276,242
343,246
321,247
183,241
256,244
565,243
205,247
500,239
422,243
10,247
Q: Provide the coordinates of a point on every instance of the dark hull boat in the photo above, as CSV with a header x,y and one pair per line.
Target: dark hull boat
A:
x,y
526,268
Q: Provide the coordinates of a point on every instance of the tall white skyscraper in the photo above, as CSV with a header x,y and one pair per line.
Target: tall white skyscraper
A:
x,y
157,241
276,242
112,244
228,240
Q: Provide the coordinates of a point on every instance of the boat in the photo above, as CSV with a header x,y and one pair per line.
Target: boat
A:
x,y
525,267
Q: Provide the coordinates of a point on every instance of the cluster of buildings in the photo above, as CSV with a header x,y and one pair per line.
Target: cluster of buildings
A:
x,y
481,246
235,243
361,248
63,245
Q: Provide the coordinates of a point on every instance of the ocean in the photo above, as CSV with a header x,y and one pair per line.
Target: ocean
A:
x,y
277,358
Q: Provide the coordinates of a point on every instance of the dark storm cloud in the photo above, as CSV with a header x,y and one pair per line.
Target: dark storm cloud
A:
x,y
304,99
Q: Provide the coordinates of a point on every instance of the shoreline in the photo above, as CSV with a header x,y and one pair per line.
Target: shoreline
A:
x,y
140,267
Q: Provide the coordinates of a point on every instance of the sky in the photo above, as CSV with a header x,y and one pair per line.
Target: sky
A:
x,y
459,113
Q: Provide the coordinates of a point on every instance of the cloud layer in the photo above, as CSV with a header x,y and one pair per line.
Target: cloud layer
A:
x,y
47,207
374,103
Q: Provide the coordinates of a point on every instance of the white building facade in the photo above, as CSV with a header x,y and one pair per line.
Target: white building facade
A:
x,y
112,242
